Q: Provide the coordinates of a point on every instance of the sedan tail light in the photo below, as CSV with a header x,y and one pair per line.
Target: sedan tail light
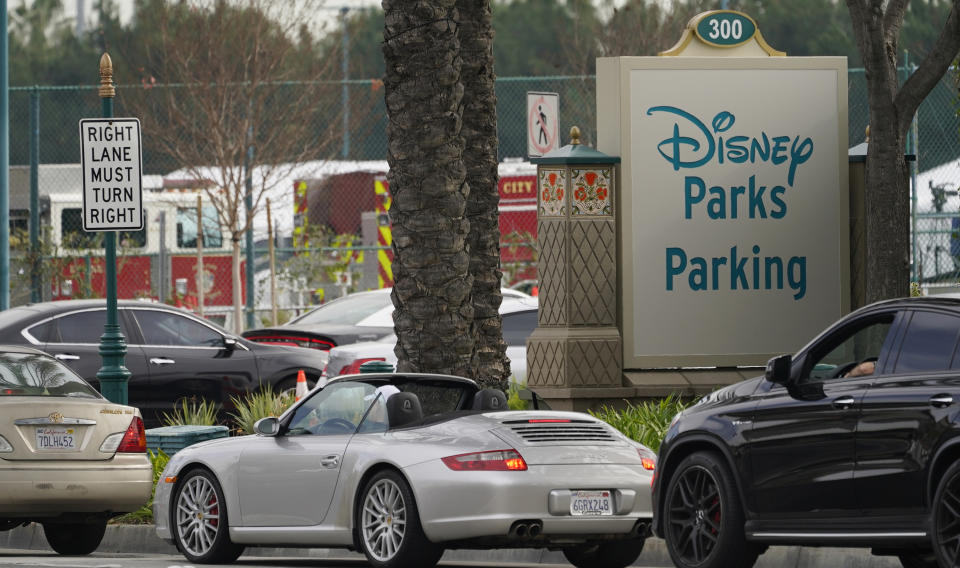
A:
x,y
497,460
291,340
134,439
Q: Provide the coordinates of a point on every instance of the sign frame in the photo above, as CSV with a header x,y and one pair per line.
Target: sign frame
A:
x,y
123,160
615,131
550,114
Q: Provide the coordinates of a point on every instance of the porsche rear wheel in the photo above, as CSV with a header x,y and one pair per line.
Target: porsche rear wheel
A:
x,y
614,554
390,532
74,539
199,518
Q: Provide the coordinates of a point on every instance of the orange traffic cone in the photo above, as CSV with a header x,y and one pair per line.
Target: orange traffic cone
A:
x,y
301,385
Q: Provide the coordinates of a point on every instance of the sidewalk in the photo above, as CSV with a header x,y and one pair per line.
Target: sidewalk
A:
x,y
142,539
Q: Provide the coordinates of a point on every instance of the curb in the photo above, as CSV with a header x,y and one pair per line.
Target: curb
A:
x,y
141,539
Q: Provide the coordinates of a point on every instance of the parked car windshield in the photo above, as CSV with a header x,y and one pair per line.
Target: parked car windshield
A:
x,y
26,374
347,311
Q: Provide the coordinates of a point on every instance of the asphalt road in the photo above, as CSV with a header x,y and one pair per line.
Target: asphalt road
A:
x,y
34,558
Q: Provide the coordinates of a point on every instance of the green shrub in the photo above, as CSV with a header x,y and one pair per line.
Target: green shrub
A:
x,y
261,404
514,402
144,515
646,422
190,412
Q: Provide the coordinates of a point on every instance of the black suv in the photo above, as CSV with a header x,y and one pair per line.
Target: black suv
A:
x,y
853,441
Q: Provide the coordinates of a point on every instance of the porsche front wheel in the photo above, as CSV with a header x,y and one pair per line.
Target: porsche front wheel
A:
x,y
390,532
199,519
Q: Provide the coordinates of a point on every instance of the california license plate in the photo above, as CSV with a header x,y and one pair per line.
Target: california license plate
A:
x,y
56,439
591,504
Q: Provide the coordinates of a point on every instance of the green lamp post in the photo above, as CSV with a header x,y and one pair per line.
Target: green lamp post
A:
x,y
113,375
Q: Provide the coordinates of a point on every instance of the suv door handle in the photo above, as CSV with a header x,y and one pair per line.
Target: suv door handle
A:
x,y
66,357
844,402
941,401
161,361
330,462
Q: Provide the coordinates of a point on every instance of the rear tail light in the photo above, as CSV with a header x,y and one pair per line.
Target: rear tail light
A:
x,y
354,368
292,340
648,464
497,460
134,439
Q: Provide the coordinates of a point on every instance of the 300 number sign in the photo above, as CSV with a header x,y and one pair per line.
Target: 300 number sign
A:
x,y
726,28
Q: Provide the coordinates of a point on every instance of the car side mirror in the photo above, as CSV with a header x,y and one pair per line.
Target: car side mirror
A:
x,y
269,426
229,343
778,369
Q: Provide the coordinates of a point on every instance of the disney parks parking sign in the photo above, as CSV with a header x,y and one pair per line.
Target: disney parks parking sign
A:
x,y
735,209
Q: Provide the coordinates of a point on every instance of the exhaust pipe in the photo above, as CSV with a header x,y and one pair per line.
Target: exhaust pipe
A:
x,y
640,530
535,529
526,529
519,530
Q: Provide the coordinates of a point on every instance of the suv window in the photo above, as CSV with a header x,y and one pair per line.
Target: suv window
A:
x,y
165,328
840,353
929,343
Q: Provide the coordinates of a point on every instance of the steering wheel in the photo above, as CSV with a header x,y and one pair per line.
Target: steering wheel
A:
x,y
847,367
338,424
844,369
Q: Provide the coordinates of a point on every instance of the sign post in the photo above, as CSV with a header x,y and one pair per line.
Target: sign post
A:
x,y
112,188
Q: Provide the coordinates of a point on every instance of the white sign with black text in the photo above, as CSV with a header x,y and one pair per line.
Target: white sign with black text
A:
x,y
112,174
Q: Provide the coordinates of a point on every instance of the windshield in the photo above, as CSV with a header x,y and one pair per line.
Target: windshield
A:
x,y
348,310
26,374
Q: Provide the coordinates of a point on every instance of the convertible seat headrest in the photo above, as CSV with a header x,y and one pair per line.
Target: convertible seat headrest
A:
x,y
490,399
403,408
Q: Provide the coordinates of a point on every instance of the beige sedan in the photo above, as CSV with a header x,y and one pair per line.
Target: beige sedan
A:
x,y
69,459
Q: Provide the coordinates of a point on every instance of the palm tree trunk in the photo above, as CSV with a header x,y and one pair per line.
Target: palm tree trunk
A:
x,y
490,363
423,96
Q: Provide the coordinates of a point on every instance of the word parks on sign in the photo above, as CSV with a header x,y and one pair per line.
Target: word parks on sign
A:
x,y
112,182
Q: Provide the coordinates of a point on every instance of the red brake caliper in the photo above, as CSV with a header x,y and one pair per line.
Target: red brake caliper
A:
x,y
214,511
716,516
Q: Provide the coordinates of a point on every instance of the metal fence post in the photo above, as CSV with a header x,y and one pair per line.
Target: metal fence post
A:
x,y
251,259
35,251
4,161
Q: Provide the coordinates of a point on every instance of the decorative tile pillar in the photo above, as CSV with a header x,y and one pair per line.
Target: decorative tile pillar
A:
x,y
575,354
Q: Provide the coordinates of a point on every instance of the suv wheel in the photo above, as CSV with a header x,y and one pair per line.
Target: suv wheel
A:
x,y
703,517
946,517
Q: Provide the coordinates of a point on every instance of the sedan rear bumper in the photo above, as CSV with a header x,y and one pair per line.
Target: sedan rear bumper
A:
x,y
30,489
463,505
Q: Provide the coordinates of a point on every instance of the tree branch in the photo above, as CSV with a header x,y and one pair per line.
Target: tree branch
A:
x,y
893,21
930,71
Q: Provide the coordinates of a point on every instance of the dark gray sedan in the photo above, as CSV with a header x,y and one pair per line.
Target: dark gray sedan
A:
x,y
171,353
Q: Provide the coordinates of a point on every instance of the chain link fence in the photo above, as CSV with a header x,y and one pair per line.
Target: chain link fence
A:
x,y
330,217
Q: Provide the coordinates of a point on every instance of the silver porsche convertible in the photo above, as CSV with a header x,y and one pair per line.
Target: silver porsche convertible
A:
x,y
403,466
